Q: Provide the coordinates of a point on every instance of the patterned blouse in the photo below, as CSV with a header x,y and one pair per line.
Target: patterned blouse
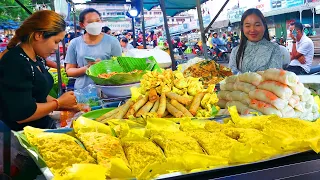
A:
x,y
258,56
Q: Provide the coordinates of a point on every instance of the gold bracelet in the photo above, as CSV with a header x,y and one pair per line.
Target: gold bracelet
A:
x,y
58,104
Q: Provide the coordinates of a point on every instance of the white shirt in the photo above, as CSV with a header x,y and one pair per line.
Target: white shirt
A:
x,y
127,48
285,56
306,47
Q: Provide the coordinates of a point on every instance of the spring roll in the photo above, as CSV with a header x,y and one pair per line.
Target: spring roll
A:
x,y
265,108
244,87
281,90
108,114
288,112
315,108
297,89
242,108
145,109
306,96
297,113
282,76
162,105
165,114
181,99
316,115
251,78
196,103
129,113
174,111
231,79
300,106
227,86
222,103
224,95
294,100
181,108
153,95
240,96
155,106
124,109
268,97
140,103
260,72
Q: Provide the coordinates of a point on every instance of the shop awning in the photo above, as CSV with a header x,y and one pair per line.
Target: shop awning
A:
x,y
173,7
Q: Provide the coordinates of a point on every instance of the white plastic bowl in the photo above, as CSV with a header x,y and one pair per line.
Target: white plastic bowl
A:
x,y
117,91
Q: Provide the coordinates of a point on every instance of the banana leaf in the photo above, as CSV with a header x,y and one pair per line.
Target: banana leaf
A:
x,y
110,66
123,66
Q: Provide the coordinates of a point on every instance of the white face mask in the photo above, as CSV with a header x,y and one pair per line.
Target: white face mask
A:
x,y
94,28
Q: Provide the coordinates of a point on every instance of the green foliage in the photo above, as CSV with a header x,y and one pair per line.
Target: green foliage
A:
x,y
10,10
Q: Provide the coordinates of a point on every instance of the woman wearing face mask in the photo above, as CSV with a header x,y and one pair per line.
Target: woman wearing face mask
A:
x,y
24,81
255,52
92,44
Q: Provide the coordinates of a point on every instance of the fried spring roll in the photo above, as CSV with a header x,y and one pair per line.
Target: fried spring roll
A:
x,y
162,105
145,109
108,114
124,109
153,95
174,111
166,113
181,108
140,103
155,106
196,103
181,99
129,113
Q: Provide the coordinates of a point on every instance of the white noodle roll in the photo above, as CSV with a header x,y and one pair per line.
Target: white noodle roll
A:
x,y
300,106
297,114
306,96
222,103
316,115
315,108
240,96
265,108
294,101
308,107
244,87
227,86
268,97
231,79
281,90
297,88
251,78
224,95
307,116
242,108
288,112
285,77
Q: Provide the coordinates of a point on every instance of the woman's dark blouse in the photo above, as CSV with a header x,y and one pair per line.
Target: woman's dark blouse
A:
x,y
20,90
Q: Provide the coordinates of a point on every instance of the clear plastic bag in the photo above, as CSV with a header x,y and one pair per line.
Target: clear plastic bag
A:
x,y
88,95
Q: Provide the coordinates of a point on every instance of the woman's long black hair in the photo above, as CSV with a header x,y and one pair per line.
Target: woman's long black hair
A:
x,y
244,39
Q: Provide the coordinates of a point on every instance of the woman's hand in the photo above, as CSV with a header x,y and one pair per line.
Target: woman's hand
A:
x,y
67,100
93,63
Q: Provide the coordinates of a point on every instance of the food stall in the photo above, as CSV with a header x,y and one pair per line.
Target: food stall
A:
x,y
172,126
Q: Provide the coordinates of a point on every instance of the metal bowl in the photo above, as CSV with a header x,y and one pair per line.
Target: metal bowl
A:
x,y
117,91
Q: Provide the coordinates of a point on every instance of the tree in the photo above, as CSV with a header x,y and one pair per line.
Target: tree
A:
x,y
10,10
